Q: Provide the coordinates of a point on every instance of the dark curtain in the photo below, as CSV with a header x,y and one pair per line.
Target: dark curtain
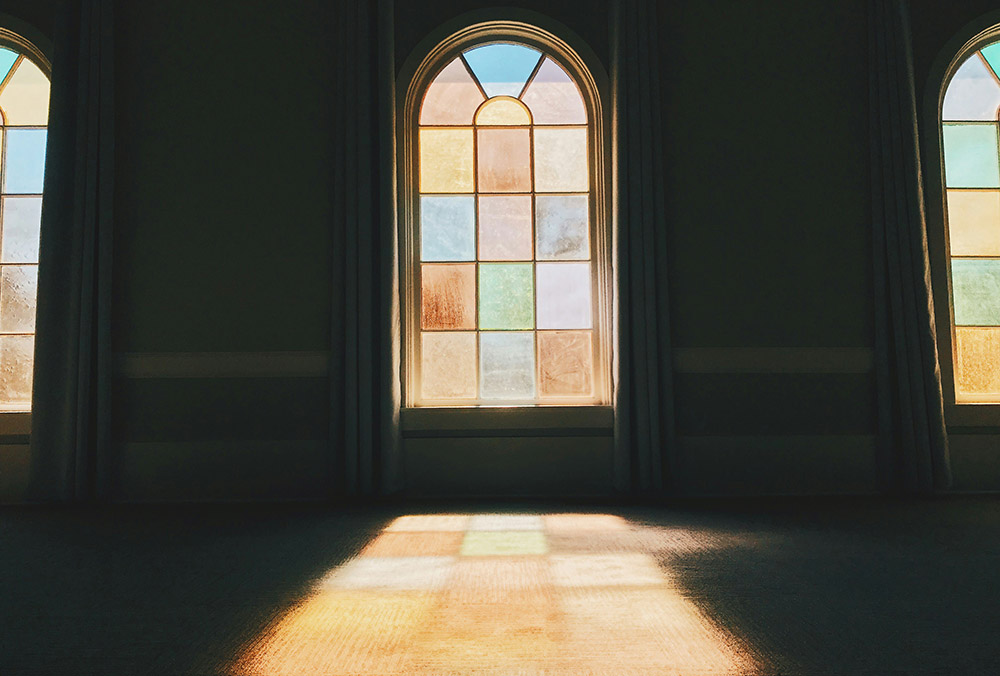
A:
x,y
70,420
912,434
644,402
364,371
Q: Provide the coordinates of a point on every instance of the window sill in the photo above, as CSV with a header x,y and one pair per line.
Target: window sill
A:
x,y
15,426
528,421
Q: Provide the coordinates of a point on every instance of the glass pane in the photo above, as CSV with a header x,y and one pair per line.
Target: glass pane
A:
x,y
18,287
561,160
447,228
562,227
502,69
972,94
503,111
505,296
974,222
976,289
564,296
452,98
970,156
16,359
22,217
565,364
448,296
504,160
448,365
978,360
505,227
24,166
7,59
445,160
553,97
507,365
25,98
992,55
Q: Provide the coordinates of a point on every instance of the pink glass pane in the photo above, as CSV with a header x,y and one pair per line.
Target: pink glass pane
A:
x,y
452,98
563,300
553,97
505,227
504,160
448,296
565,363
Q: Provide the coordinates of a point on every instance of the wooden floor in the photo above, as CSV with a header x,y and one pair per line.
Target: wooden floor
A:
x,y
851,587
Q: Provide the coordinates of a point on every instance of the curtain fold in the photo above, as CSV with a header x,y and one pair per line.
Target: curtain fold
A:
x,y
913,440
643,396
365,389
72,375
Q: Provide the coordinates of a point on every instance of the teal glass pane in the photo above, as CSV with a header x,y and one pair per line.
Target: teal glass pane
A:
x,y
972,94
970,156
7,59
507,365
502,69
506,296
992,55
25,161
976,289
447,228
561,227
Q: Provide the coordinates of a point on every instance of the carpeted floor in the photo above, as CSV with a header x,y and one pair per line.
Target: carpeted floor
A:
x,y
851,587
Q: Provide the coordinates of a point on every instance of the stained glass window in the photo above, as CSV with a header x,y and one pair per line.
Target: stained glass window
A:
x,y
24,112
504,230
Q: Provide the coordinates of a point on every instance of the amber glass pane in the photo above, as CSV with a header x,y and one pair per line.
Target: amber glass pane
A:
x,y
504,160
974,222
978,360
447,296
553,97
565,363
16,359
452,98
25,98
18,285
446,160
561,159
505,227
503,111
448,365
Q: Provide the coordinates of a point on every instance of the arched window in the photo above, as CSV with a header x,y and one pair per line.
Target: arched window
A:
x,y
507,242
24,112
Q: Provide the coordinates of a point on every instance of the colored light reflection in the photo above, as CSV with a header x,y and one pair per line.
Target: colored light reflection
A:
x,y
499,594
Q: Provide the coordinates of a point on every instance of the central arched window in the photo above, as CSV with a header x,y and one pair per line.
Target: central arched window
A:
x,y
507,238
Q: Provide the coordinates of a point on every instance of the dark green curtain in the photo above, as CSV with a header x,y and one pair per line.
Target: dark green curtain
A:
x,y
644,400
365,389
913,443
70,420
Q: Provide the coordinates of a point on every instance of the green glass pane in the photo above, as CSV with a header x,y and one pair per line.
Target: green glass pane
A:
x,y
970,156
506,296
976,289
992,55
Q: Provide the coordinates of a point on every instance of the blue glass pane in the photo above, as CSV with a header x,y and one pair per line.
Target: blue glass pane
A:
x,y
447,228
502,69
24,161
976,289
507,365
7,59
992,56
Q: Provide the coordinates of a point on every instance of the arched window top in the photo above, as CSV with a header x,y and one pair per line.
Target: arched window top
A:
x,y
24,90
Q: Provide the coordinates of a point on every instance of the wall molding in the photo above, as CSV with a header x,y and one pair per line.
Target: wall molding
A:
x,y
774,359
304,364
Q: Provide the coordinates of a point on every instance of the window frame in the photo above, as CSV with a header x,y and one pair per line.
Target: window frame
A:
x,y
411,90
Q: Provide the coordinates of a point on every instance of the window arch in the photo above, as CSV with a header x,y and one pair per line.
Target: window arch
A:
x,y
506,248
24,111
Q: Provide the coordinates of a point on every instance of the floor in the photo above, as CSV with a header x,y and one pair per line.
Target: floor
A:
x,y
799,587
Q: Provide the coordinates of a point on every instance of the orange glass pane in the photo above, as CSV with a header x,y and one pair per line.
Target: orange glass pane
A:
x,y
17,355
553,97
561,159
565,363
974,222
505,227
25,98
445,160
452,98
448,365
504,160
977,363
503,111
448,296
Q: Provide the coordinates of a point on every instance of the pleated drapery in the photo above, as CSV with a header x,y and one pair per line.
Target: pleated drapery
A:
x,y
364,355
72,375
913,440
644,402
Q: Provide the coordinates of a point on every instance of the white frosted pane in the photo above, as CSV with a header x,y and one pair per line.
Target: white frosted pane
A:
x,y
18,284
448,365
563,300
972,94
561,159
561,225
553,97
16,360
22,217
507,365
